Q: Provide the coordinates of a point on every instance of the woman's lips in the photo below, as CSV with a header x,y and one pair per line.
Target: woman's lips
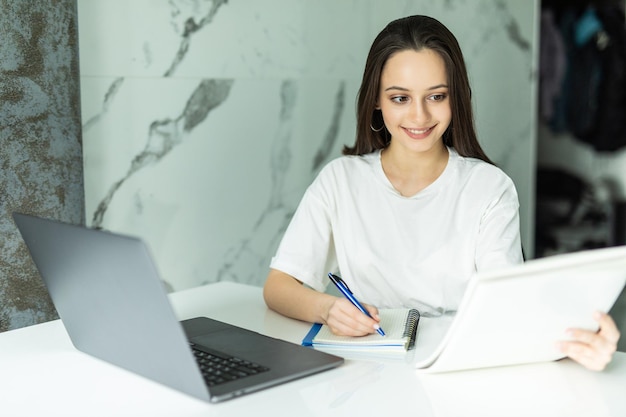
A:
x,y
419,133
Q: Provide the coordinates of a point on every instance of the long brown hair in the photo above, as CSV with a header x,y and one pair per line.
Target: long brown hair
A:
x,y
416,33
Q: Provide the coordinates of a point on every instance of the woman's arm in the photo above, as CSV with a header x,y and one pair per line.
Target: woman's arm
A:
x,y
287,296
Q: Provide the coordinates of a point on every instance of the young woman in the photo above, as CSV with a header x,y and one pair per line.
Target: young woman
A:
x,y
415,207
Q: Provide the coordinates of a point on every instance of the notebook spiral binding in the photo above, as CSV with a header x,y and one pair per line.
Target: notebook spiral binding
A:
x,y
410,329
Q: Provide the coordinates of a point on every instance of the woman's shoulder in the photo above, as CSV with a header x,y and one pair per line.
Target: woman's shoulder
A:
x,y
342,176
477,166
481,173
350,164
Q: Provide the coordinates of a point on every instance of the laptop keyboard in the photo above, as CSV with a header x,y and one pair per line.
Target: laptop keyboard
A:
x,y
219,368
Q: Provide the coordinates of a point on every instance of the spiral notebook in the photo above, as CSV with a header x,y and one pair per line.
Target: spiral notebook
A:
x,y
400,327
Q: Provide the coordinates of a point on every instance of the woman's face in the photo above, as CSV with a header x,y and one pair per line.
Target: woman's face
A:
x,y
413,99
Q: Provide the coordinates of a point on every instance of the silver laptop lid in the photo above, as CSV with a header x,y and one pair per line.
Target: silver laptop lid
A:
x,y
105,287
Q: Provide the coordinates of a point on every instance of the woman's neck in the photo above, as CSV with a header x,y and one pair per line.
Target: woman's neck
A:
x,y
410,173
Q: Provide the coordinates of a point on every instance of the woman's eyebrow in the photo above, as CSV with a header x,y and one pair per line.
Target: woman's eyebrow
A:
x,y
434,87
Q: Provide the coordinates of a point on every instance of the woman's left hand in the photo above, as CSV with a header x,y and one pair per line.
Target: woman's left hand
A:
x,y
593,350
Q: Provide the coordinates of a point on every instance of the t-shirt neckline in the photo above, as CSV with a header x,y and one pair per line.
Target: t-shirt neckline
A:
x,y
432,188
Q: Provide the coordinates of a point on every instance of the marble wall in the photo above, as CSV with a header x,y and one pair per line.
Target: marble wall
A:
x,y
40,154
204,121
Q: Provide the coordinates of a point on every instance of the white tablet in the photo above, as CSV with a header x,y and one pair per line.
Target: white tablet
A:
x,y
516,315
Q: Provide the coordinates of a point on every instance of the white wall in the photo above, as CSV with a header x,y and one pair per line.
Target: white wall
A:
x,y
203,144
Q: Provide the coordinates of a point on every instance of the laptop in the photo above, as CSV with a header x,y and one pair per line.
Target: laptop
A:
x,y
110,298
516,315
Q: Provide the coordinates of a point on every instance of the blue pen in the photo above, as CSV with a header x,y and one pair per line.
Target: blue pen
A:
x,y
343,287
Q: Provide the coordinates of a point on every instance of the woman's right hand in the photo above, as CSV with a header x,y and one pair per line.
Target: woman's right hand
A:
x,y
344,319
287,296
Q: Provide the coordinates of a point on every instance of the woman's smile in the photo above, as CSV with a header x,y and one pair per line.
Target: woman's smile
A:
x,y
418,133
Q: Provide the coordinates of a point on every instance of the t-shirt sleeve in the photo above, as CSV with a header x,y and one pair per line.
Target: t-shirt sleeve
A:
x,y
499,242
306,251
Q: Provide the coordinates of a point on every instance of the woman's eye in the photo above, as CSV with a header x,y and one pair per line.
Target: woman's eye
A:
x,y
399,99
438,97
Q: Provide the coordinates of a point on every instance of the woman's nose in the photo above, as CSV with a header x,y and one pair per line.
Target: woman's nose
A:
x,y
419,112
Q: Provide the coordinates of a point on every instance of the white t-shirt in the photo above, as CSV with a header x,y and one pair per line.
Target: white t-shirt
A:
x,y
396,251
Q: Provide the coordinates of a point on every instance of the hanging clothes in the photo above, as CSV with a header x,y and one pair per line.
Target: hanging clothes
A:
x,y
591,102
553,64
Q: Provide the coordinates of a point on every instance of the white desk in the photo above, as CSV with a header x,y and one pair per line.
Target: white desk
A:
x,y
41,374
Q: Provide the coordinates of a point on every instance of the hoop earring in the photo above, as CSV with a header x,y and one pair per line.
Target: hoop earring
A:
x,y
379,129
